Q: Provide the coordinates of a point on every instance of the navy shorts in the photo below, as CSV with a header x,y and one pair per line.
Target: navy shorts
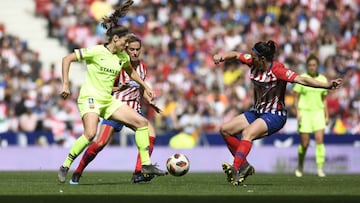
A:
x,y
274,121
116,125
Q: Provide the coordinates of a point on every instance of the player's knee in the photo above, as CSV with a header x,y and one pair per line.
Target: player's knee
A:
x,y
223,131
141,122
90,135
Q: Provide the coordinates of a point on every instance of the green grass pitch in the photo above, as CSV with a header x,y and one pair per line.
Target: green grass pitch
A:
x,y
104,187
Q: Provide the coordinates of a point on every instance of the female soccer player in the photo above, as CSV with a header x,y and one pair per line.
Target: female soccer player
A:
x,y
104,62
129,92
312,116
268,115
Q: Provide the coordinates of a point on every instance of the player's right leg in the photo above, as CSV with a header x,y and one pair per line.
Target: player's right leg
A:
x,y
106,131
302,148
90,121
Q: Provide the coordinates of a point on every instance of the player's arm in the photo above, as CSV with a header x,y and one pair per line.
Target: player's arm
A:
x,y
150,101
333,84
118,86
66,61
327,116
217,58
135,76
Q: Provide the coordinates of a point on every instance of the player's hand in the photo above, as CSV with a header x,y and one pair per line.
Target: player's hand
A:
x,y
337,83
217,58
65,94
149,95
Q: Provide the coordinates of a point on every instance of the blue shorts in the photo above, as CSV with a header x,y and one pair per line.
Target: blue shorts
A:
x,y
273,121
116,125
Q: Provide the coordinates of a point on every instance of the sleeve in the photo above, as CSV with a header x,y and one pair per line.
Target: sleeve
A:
x,y
324,79
245,59
283,73
84,53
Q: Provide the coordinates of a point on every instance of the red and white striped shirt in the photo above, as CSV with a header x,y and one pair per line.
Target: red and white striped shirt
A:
x,y
132,92
269,85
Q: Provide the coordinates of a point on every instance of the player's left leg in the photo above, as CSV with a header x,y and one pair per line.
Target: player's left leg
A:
x,y
320,152
140,124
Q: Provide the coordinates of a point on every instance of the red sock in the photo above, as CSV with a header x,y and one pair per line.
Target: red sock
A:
x,y
138,161
232,143
88,156
241,154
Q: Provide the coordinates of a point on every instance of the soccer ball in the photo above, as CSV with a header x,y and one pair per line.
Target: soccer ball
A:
x,y
178,164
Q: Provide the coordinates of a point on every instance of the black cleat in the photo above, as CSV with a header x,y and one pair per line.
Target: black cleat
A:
x,y
152,170
229,171
242,173
75,179
141,177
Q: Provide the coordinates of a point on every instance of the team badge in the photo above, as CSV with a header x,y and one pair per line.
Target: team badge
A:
x,y
91,103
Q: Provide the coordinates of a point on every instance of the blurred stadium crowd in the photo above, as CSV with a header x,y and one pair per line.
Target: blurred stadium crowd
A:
x,y
179,39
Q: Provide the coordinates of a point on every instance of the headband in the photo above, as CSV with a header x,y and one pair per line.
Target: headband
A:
x,y
256,52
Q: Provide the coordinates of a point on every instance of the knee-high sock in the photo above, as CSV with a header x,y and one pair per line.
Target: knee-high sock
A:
x,y
93,150
232,142
320,154
301,156
76,149
88,156
142,143
241,154
138,161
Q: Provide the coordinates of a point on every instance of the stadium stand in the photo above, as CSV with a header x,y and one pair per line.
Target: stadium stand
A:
x,y
179,40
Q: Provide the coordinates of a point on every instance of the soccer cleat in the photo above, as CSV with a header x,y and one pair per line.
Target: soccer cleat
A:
x,y
75,179
152,170
298,173
62,173
141,177
242,173
229,171
321,173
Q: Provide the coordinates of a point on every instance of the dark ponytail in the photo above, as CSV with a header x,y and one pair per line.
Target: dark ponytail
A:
x,y
111,22
265,49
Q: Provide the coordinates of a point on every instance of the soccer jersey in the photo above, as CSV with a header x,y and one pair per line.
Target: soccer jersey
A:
x,y
132,92
102,69
269,85
311,98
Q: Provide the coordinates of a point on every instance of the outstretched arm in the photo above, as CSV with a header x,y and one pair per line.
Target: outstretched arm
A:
x,y
226,56
333,84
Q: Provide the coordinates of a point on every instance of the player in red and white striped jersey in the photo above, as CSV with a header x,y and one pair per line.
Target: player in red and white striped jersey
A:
x,y
128,91
268,114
